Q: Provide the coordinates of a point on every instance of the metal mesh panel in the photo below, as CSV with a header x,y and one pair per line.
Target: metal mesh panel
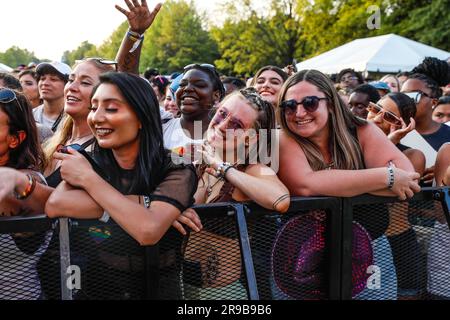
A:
x,y
19,256
399,266
112,263
290,255
49,269
212,267
170,266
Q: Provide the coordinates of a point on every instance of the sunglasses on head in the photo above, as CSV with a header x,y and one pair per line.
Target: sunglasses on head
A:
x,y
389,117
207,66
101,61
223,115
416,95
7,95
310,103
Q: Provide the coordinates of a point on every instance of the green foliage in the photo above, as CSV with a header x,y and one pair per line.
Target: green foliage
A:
x,y
255,40
177,39
424,21
257,33
109,49
15,56
84,50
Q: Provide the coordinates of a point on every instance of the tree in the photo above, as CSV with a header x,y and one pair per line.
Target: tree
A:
x,y
85,49
177,39
251,38
110,47
15,56
424,21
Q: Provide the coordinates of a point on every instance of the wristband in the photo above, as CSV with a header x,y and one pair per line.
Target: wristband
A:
x,y
390,177
136,38
28,189
105,217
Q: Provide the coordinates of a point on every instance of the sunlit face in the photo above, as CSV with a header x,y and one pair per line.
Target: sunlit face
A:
x,y
425,104
233,120
310,125
195,97
392,83
358,103
268,85
78,90
5,138
441,113
170,103
113,121
389,105
30,87
51,87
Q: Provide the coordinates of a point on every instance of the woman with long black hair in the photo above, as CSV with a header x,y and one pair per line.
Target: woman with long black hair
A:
x,y
131,161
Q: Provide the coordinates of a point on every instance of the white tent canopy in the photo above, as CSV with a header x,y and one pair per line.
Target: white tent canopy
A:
x,y
388,53
5,68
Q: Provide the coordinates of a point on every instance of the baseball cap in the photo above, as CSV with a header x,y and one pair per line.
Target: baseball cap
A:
x,y
54,67
380,85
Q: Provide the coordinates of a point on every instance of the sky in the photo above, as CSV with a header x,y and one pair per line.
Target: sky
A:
x,y
50,27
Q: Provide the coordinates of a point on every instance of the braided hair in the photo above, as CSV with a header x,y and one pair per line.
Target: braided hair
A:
x,y
434,73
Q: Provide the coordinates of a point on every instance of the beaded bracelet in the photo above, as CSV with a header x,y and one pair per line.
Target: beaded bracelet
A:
x,y
28,190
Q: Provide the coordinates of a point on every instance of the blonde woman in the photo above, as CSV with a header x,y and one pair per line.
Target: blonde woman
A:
x,y
213,252
326,151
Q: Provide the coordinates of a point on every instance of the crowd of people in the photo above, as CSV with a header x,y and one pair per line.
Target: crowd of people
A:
x,y
99,141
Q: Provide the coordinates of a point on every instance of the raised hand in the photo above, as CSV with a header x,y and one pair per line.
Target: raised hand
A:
x,y
139,17
398,134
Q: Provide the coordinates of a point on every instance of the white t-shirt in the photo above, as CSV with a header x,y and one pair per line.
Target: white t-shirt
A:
x,y
39,117
175,136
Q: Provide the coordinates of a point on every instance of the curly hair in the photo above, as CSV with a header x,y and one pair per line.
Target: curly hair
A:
x,y
434,73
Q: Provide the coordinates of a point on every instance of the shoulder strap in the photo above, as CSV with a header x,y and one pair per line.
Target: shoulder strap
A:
x,y
87,143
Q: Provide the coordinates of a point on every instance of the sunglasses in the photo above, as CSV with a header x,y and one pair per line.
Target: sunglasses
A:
x,y
7,95
207,66
310,104
389,117
101,61
416,95
222,115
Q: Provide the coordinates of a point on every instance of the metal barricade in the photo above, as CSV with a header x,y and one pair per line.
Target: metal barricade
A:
x,y
364,248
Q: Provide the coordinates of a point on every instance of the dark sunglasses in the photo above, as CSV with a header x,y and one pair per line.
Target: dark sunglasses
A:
x,y
7,95
416,95
389,117
222,115
101,61
310,104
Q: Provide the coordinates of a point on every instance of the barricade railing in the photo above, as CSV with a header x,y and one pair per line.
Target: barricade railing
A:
x,y
323,248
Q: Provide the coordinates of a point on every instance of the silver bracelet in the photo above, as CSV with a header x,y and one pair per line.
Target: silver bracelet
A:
x,y
105,217
390,177
222,169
